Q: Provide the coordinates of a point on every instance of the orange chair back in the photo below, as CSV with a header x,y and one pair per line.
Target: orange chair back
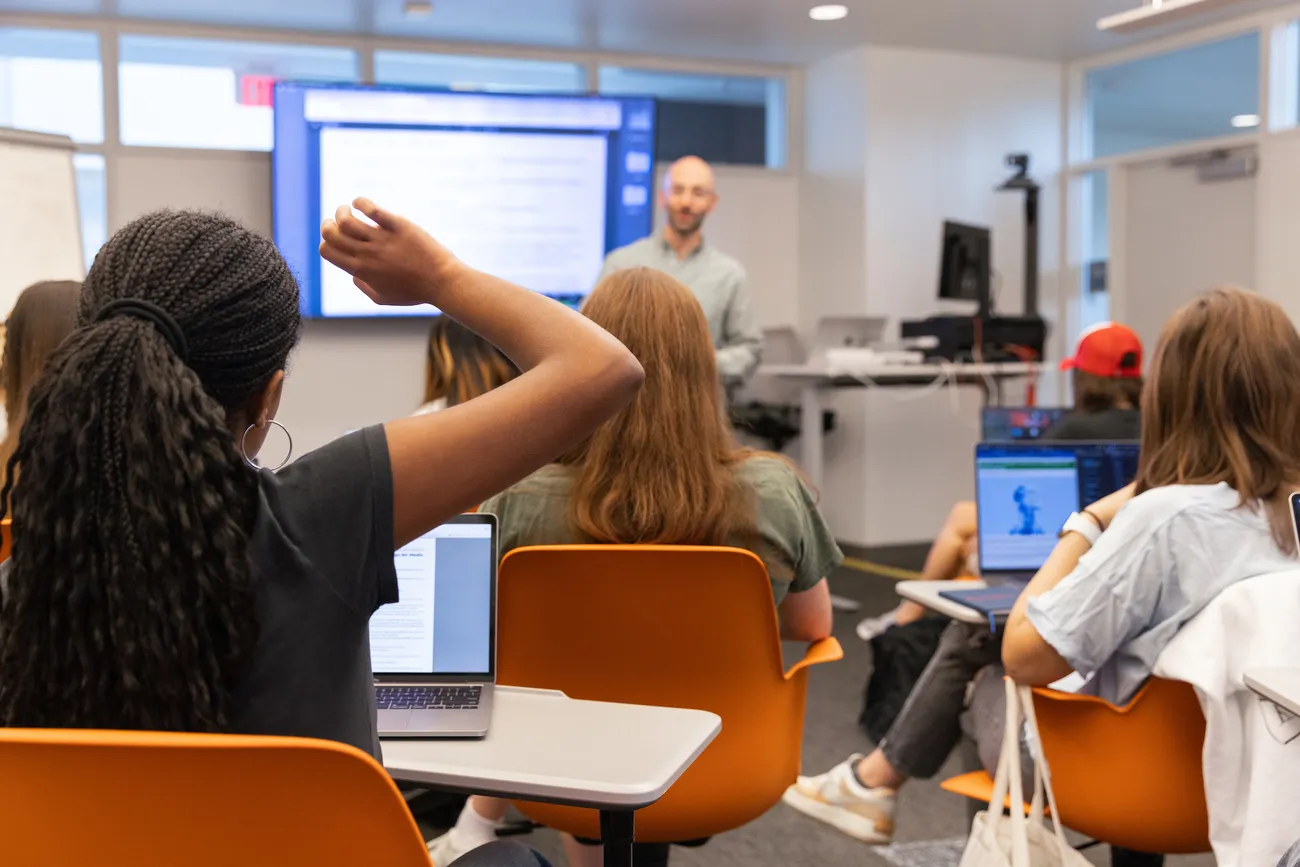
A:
x,y
1129,776
6,539
669,626
142,799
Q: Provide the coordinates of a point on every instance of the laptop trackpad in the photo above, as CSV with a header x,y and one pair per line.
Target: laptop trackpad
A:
x,y
394,720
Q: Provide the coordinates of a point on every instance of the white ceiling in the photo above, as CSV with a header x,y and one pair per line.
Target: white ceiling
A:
x,y
772,31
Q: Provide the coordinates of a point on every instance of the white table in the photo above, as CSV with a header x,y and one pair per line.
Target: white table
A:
x,y
813,379
1279,685
926,594
545,746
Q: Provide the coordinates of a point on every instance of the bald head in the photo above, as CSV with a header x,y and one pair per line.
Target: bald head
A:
x,y
688,195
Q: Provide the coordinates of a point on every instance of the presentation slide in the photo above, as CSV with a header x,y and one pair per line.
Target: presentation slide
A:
x,y
401,633
1023,502
529,208
534,189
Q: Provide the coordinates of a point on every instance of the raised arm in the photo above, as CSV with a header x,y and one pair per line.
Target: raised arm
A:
x,y
574,374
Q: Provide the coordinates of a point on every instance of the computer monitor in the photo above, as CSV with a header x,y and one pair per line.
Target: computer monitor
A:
x,y
966,266
444,620
1003,423
1025,491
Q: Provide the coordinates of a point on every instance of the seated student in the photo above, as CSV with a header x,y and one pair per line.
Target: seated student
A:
x,y
43,316
1107,380
1220,412
203,594
667,470
460,366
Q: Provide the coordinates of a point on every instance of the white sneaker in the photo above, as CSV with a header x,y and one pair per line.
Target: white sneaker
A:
x,y
873,626
445,849
839,800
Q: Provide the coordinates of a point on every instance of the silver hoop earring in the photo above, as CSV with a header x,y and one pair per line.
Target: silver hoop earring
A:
x,y
243,447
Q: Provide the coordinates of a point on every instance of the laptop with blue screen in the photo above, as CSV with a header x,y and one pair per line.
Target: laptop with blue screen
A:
x,y
433,653
1025,491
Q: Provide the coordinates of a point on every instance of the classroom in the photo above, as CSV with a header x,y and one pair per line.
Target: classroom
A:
x,y
518,433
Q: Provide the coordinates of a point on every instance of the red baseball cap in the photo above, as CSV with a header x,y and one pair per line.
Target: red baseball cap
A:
x,y
1109,350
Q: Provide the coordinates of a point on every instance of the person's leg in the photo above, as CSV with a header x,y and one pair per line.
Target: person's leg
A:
x,y
946,561
502,853
858,795
477,826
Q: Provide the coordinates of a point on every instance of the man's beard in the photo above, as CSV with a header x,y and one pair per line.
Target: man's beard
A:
x,y
691,228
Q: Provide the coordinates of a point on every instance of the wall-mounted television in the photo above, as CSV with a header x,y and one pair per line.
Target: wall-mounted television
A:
x,y
534,189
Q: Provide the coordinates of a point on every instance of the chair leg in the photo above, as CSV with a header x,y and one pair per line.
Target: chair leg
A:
x,y
1128,858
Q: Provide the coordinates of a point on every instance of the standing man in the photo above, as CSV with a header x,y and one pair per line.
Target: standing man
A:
x,y
718,281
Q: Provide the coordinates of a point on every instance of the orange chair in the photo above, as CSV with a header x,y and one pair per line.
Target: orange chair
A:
x,y
669,626
1128,776
70,798
6,539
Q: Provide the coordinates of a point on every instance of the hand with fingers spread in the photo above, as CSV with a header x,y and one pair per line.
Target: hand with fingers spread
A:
x,y
394,261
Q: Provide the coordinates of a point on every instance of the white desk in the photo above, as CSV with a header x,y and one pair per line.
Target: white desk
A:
x,y
1279,685
545,746
812,379
926,593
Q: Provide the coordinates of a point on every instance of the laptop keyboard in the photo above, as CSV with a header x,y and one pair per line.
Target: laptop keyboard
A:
x,y
428,697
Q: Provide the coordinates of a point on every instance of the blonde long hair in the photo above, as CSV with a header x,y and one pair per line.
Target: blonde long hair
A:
x,y
662,471
1222,403
460,365
43,316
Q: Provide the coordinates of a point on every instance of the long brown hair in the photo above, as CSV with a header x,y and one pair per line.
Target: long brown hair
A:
x,y
43,316
662,471
1223,403
460,365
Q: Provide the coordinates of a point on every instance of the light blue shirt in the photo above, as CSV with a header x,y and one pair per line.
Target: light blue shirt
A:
x,y
1164,557
719,283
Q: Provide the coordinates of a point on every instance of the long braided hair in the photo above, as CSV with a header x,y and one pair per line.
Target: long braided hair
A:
x,y
130,589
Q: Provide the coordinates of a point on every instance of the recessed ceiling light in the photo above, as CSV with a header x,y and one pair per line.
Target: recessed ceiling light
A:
x,y
418,8
832,12
1245,121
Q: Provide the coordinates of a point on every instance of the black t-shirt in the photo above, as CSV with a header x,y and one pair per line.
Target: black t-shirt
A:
x,y
322,551
1109,424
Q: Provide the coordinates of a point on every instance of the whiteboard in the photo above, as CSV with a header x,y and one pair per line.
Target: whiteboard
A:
x,y
40,229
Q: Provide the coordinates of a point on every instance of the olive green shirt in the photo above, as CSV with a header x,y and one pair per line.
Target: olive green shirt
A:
x,y
796,541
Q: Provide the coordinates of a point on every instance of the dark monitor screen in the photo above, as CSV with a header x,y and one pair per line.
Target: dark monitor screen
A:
x,y
999,423
967,263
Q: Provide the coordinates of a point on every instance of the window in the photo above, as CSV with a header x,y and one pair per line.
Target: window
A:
x,y
493,74
51,81
204,93
722,118
92,202
1196,93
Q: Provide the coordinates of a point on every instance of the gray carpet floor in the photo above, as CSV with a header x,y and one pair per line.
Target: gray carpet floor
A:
x,y
930,820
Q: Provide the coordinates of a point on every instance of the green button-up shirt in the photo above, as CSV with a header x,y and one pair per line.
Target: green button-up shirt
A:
x,y
719,283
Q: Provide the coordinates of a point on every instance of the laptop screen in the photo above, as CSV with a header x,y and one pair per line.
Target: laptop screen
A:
x,y
1024,492
1018,422
443,621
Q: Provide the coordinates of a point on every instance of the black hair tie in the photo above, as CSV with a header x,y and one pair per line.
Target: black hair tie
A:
x,y
138,308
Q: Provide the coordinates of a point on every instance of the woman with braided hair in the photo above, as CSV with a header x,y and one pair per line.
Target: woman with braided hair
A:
x,y
158,579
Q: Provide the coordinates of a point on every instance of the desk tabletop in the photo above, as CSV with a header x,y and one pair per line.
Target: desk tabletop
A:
x,y
545,746
1279,685
926,593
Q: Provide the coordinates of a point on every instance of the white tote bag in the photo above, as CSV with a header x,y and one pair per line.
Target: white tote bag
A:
x,y
1000,840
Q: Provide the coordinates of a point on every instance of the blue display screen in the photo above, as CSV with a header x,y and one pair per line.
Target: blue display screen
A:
x,y
533,189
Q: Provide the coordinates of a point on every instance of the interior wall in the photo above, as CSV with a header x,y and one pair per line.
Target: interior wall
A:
x,y
348,374
1277,222
938,126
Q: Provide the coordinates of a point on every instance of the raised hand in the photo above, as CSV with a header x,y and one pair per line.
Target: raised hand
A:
x,y
393,261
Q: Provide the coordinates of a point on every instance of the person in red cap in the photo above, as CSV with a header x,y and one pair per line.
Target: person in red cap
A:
x,y
1107,365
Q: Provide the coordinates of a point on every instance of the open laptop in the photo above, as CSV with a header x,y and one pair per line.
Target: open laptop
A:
x,y
433,653
1000,423
1025,491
